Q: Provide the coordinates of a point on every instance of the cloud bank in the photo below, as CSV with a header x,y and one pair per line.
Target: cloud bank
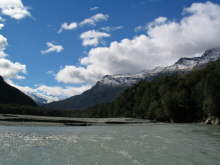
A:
x,y
164,42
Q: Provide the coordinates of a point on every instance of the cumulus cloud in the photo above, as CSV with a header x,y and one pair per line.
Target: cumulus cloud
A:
x,y
14,9
10,70
94,8
93,37
111,28
51,93
94,19
52,48
88,21
73,74
165,42
156,22
66,26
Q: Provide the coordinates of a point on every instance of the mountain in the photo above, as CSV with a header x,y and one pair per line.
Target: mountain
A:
x,y
187,64
11,95
190,97
182,65
39,100
98,94
111,86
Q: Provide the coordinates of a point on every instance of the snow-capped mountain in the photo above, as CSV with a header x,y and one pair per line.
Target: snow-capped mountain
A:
x,y
183,64
187,64
39,100
111,86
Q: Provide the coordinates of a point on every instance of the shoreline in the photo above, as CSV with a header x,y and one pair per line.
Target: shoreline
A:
x,y
28,120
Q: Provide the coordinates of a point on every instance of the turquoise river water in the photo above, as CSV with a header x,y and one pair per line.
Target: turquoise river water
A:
x,y
147,144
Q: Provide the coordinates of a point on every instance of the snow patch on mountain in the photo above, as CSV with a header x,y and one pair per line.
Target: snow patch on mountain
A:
x,y
183,64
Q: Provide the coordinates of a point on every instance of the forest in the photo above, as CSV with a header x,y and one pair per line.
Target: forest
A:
x,y
181,97
185,97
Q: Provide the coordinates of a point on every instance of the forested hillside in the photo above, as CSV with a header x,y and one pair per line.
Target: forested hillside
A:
x,y
194,96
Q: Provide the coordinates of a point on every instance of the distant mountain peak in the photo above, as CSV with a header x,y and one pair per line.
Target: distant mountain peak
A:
x,y
183,64
212,52
187,61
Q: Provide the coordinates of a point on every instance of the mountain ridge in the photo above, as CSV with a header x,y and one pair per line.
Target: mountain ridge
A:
x,y
183,64
111,86
12,95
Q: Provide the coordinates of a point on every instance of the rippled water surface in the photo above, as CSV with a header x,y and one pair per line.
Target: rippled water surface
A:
x,y
165,144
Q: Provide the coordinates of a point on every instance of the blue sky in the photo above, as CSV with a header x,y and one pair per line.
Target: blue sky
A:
x,y
60,73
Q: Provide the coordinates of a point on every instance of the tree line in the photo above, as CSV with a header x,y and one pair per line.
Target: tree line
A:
x,y
180,97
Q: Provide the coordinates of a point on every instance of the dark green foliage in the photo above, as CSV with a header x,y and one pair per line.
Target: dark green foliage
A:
x,y
187,97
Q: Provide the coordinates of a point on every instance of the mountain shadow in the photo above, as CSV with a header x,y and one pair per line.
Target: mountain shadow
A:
x,y
11,95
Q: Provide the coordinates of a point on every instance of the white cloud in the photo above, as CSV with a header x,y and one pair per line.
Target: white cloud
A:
x,y
66,26
94,19
62,91
164,43
1,26
14,8
52,48
3,45
10,70
111,28
93,38
72,74
88,21
158,21
94,8
52,93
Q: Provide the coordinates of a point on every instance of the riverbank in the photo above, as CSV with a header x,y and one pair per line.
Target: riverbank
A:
x,y
28,120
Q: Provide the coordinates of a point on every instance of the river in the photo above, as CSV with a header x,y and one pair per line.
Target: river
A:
x,y
144,144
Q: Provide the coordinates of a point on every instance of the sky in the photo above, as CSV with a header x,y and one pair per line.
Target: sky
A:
x,y
60,48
